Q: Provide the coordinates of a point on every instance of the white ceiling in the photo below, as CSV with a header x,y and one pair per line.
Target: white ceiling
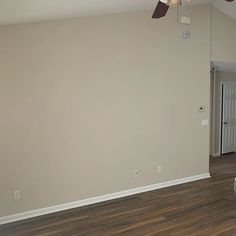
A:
x,y
228,8
224,66
21,11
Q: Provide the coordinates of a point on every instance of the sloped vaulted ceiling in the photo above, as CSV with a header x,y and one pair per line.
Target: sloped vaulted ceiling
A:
x,y
228,8
20,11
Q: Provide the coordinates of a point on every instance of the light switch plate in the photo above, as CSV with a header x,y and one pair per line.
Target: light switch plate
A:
x,y
205,123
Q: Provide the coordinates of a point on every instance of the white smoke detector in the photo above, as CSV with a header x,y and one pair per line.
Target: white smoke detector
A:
x,y
186,20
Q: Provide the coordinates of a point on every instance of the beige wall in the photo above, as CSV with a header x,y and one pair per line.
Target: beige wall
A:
x,y
84,102
219,78
223,37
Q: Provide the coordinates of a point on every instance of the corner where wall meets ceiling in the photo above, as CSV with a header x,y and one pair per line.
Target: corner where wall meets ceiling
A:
x,y
25,11
227,8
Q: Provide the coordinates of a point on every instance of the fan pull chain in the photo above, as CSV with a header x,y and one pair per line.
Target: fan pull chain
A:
x,y
177,14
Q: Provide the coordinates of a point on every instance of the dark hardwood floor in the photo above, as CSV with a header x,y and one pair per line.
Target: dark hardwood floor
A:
x,y
206,207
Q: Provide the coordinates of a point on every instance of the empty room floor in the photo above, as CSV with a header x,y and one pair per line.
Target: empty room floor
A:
x,y
206,207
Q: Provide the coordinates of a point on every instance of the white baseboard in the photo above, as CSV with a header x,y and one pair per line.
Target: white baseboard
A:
x,y
216,154
71,205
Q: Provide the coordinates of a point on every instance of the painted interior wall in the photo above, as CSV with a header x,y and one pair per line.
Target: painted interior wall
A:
x,y
220,77
84,102
223,37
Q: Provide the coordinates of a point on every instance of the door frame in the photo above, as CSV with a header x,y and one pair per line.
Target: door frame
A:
x,y
221,113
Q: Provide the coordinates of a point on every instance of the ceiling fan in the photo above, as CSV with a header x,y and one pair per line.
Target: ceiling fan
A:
x,y
163,6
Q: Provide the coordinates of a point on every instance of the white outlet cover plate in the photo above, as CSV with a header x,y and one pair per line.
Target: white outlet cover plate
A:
x,y
186,34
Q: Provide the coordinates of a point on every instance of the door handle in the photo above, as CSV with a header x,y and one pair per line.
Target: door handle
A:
x,y
225,123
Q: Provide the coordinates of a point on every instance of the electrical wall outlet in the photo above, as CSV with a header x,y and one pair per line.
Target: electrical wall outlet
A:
x,y
136,173
17,195
159,169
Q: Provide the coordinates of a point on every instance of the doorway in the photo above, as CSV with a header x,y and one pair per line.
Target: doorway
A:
x,y
228,117
223,109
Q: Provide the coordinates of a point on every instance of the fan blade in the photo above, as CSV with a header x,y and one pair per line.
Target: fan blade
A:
x,y
160,10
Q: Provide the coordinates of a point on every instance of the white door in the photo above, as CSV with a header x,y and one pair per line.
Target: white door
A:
x,y
229,118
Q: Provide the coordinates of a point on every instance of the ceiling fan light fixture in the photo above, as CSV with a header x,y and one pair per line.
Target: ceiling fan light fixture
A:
x,y
174,3
163,6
